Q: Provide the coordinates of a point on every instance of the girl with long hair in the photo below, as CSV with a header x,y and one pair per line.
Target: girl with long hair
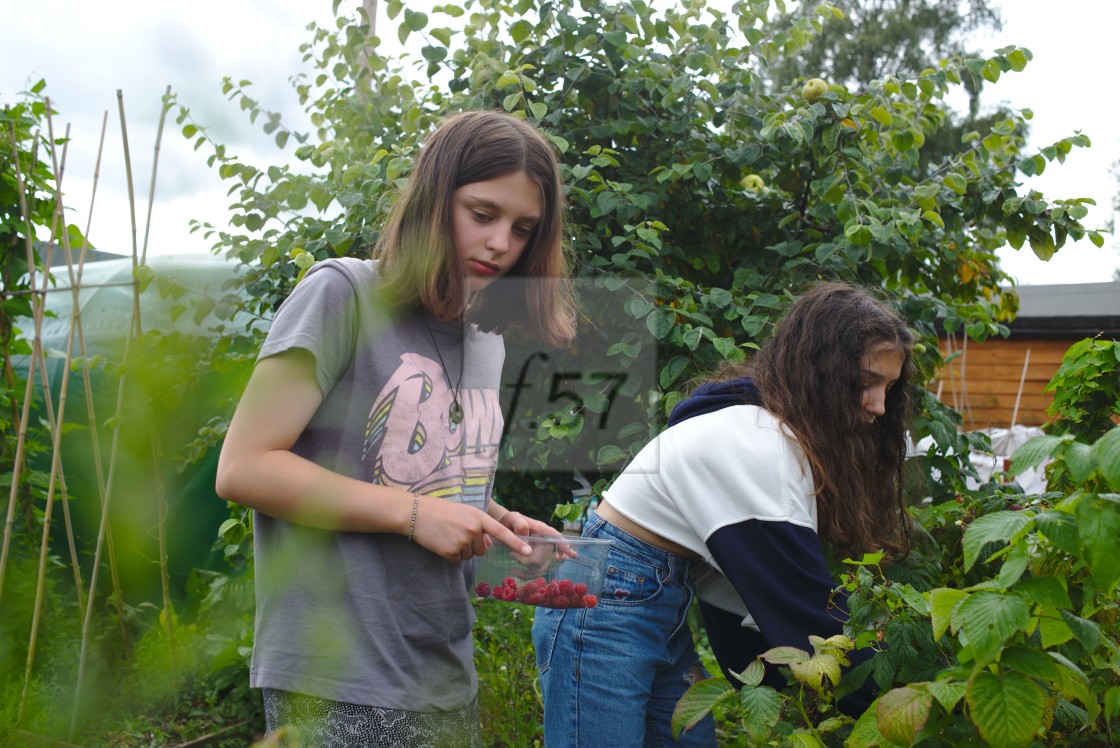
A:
x,y
367,438
730,504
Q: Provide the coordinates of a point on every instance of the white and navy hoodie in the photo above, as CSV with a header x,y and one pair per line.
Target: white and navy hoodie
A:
x,y
728,483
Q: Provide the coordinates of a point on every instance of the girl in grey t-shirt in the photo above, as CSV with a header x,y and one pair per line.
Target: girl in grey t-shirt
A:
x,y
366,443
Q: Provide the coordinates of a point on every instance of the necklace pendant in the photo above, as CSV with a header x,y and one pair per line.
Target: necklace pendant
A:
x,y
455,412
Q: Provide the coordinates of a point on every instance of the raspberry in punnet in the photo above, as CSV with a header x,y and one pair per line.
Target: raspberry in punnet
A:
x,y
562,593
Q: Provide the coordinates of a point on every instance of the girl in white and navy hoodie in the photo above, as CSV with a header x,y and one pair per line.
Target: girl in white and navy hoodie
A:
x,y
730,505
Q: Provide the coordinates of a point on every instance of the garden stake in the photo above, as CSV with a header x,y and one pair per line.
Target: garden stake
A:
x,y
132,328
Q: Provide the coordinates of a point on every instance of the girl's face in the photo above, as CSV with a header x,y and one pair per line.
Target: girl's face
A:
x,y
879,370
492,223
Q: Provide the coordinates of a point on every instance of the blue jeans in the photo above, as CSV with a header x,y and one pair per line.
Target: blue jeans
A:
x,y
612,674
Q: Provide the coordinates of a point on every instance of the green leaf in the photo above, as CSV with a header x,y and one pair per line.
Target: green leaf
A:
x,y
813,671
784,655
988,619
934,218
882,116
609,454
991,71
1085,631
143,275
1107,450
753,673
1008,708
865,733
1099,527
762,706
202,307
1030,662
1073,684
942,602
1060,529
902,713
1014,565
692,338
956,183
1034,452
698,701
947,692
1048,591
858,234
1112,702
1018,60
1081,461
660,323
996,527
671,371
416,20
1053,629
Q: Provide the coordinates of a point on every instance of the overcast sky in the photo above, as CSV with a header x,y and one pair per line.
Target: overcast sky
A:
x,y
89,51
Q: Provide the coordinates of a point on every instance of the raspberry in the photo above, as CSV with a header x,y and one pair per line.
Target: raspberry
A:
x,y
482,589
560,602
590,601
510,582
579,588
565,586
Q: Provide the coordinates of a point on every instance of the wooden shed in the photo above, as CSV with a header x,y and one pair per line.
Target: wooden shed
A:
x,y
1000,382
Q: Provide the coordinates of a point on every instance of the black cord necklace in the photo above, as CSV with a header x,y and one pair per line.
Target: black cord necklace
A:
x,y
455,412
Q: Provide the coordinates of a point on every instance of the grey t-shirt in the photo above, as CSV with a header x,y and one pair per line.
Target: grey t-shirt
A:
x,y
361,617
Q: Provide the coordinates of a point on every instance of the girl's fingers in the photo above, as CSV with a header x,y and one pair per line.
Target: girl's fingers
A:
x,y
505,536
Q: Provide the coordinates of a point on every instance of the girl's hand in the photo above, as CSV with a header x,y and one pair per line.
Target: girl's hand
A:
x,y
522,525
458,532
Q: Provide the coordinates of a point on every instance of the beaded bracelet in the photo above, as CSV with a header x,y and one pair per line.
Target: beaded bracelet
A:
x,y
412,522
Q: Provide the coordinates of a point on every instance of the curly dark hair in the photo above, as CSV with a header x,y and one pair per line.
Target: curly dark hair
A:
x,y
809,374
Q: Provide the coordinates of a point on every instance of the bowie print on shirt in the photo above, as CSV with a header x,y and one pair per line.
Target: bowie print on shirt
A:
x,y
414,445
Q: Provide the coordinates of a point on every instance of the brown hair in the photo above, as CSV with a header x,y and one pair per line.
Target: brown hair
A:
x,y
416,249
809,376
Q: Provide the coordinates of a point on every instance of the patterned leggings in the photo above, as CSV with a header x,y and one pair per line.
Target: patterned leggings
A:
x,y
321,723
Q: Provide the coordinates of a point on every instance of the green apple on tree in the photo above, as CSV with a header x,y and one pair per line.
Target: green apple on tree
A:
x,y
753,183
813,88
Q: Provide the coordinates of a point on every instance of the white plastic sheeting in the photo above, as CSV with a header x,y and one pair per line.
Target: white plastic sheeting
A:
x,y
1004,444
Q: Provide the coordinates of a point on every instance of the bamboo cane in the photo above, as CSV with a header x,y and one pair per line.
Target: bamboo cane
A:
x,y
131,330
52,427
153,431
1019,393
964,381
91,416
56,441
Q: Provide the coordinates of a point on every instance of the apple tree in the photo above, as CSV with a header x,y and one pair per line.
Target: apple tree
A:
x,y
686,169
